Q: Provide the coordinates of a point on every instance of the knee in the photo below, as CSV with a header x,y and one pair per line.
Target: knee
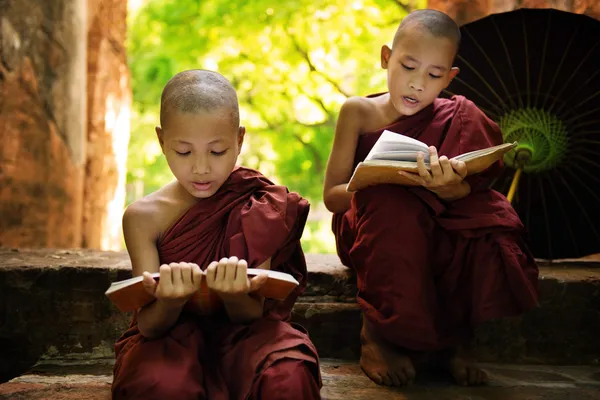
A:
x,y
289,379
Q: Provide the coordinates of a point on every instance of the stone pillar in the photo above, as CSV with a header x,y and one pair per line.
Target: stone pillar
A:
x,y
109,104
42,122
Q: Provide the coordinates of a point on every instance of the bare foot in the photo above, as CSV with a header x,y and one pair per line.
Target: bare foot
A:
x,y
464,370
384,364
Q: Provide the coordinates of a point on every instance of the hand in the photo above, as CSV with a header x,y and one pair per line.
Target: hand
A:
x,y
228,278
444,177
177,283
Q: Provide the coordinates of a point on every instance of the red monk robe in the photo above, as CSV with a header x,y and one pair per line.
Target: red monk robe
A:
x,y
210,357
428,270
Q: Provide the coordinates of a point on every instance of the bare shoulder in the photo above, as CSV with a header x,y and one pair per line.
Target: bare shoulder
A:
x,y
156,212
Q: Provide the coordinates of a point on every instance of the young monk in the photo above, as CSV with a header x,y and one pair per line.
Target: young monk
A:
x,y
432,260
223,218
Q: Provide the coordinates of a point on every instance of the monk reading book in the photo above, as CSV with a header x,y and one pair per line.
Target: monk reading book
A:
x,y
232,343
435,258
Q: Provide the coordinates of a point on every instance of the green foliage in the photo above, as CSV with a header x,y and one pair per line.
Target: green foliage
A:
x,y
292,62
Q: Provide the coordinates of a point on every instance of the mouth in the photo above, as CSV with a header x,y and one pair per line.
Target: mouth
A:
x,y
202,185
410,101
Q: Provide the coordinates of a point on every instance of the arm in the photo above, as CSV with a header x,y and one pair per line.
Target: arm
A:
x,y
228,278
139,233
339,167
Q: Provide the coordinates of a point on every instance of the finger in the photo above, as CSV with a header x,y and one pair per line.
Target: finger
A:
x,y
176,274
221,269
434,162
460,168
447,170
242,271
196,275
149,283
166,278
258,281
186,273
231,268
211,272
423,172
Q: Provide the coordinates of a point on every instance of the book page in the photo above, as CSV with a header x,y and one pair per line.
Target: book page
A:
x,y
396,145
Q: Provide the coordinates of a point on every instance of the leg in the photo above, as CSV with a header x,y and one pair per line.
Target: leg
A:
x,y
165,368
287,379
383,362
394,238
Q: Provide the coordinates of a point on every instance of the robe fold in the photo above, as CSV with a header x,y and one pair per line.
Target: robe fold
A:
x,y
428,270
209,356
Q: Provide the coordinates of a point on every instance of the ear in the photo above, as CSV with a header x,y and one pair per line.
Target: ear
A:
x,y
386,52
452,74
160,135
240,139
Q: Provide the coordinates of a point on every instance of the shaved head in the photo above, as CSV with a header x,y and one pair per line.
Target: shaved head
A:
x,y
198,90
435,22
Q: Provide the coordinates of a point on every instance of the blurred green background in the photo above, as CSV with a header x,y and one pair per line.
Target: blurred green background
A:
x,y
293,64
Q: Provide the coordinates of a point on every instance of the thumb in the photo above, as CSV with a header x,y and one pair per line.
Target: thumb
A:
x,y
258,281
149,283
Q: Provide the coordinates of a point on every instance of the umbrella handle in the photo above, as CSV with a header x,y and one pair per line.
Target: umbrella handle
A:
x,y
514,185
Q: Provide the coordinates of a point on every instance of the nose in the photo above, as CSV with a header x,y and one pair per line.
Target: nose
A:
x,y
417,84
201,165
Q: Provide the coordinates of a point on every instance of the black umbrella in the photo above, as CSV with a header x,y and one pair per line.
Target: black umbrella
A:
x,y
536,72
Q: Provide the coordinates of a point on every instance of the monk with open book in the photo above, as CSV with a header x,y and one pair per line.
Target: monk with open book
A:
x,y
225,219
435,259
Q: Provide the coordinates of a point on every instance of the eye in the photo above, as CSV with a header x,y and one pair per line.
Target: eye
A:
x,y
183,153
435,76
218,153
407,68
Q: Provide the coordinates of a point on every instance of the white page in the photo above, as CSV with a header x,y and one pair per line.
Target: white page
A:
x,y
390,142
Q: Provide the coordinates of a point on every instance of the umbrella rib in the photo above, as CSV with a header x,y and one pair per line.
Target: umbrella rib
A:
x,y
581,207
528,203
542,63
548,237
493,68
508,58
562,60
476,92
573,162
574,73
564,214
585,123
587,98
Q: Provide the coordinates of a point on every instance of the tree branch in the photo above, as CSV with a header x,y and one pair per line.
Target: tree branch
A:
x,y
312,66
319,168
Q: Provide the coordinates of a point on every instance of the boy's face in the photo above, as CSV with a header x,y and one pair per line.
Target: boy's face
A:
x,y
201,149
419,68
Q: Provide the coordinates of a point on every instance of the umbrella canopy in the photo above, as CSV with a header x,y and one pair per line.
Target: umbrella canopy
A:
x,y
536,72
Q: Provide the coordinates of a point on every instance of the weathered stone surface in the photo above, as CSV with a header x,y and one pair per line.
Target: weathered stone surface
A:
x,y
42,107
54,308
344,380
108,116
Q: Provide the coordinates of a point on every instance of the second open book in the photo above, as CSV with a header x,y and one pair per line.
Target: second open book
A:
x,y
394,152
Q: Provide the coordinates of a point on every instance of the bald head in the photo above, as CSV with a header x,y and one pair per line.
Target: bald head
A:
x,y
198,90
435,22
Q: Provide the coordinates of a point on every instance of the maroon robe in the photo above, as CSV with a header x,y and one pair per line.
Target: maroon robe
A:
x,y
429,270
210,357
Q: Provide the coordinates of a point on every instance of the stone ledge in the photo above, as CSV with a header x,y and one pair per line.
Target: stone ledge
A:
x,y
55,308
344,381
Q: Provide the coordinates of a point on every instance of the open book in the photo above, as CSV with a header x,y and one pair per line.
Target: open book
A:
x,y
129,295
394,152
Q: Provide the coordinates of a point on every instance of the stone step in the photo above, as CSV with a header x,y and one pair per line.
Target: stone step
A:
x,y
54,308
342,380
